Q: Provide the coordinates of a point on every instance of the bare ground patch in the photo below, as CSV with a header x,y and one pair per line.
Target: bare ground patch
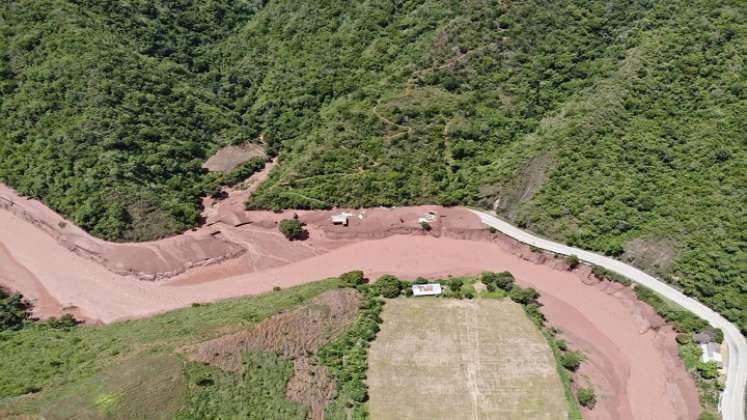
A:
x,y
460,359
232,156
652,254
525,184
297,334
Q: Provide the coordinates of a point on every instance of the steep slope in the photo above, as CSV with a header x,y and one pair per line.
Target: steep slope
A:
x,y
110,137
651,163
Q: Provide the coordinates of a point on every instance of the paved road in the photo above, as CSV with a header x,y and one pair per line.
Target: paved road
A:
x,y
732,403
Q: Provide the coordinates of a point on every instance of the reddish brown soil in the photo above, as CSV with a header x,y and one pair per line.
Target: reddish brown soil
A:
x,y
632,360
292,334
296,334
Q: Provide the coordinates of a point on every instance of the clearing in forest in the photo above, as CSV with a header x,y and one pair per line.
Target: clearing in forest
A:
x,y
461,359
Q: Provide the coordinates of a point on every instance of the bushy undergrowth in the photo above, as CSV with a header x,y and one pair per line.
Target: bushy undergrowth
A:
x,y
347,360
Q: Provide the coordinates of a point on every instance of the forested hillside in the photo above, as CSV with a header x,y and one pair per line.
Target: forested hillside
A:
x,y
616,126
97,123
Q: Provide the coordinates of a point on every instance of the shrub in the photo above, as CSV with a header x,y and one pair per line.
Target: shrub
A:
x,y
572,261
614,248
571,360
14,311
352,278
533,312
291,229
469,292
684,338
586,397
505,281
718,335
64,322
708,370
455,285
388,286
523,296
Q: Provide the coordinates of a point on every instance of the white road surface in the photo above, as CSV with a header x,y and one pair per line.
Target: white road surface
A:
x,y
732,401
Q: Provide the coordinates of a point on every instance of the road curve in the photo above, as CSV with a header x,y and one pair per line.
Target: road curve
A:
x,y
732,402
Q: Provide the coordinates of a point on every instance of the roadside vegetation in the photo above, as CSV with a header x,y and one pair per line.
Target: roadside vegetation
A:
x,y
687,325
614,127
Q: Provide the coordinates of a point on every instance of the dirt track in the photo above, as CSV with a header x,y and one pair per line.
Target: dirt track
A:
x,y
632,358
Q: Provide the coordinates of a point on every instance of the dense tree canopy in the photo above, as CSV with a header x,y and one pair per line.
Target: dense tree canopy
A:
x,y
616,126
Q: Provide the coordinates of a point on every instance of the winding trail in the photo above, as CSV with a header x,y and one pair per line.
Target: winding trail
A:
x,y
732,400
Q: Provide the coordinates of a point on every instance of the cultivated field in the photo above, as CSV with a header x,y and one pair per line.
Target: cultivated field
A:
x,y
461,359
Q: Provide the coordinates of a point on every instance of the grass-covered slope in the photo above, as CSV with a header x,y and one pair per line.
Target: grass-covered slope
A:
x,y
150,368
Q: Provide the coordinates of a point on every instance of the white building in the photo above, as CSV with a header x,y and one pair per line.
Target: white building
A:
x,y
341,219
711,352
429,217
430,289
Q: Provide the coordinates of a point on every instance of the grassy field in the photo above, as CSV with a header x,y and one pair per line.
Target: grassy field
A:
x,y
139,369
462,359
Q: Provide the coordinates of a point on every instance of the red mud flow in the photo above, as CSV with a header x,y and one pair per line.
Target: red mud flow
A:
x,y
631,355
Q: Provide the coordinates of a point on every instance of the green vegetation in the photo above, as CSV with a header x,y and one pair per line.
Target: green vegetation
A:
x,y
604,274
612,126
347,359
524,296
586,397
352,278
243,171
136,369
292,229
503,280
14,311
683,321
572,261
388,286
257,394
571,360
687,324
708,370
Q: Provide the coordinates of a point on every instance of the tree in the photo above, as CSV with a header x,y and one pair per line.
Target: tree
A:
x,y
352,278
388,286
523,296
292,229
708,370
571,360
586,397
455,284
572,261
14,311
614,248
505,281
